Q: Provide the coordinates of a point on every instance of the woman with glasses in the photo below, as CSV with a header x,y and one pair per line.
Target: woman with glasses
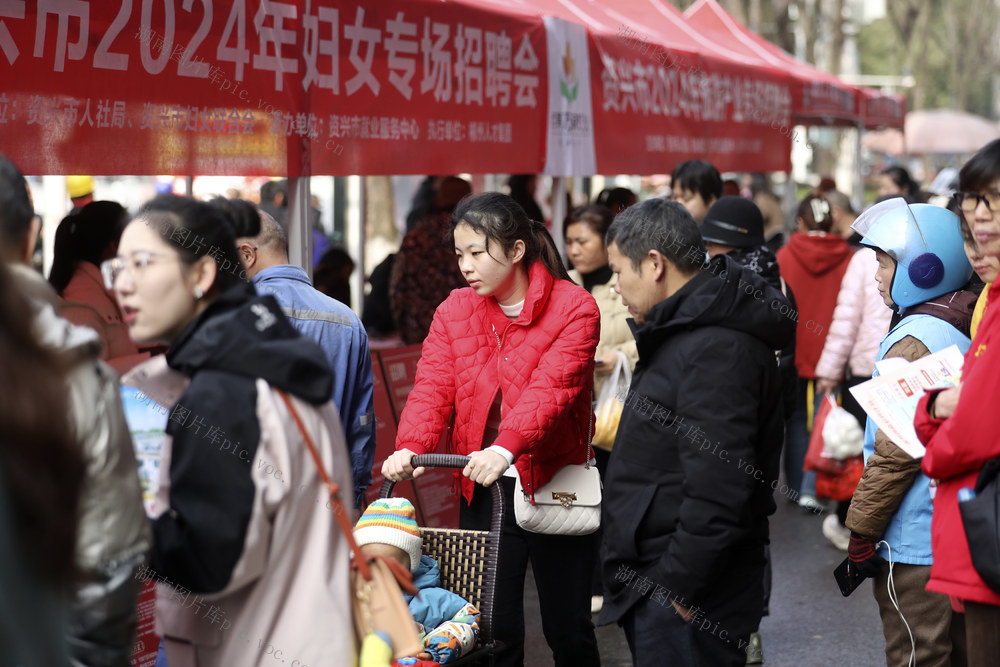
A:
x,y
246,550
961,426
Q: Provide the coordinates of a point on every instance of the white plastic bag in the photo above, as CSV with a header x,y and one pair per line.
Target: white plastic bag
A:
x,y
843,437
610,403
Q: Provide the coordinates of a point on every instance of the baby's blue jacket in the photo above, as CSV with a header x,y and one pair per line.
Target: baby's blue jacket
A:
x,y
434,605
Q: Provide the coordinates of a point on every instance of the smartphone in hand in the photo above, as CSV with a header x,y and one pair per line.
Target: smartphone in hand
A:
x,y
848,577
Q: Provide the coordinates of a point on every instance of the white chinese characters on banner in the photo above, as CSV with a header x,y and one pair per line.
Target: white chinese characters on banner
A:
x,y
274,38
452,61
367,127
631,86
65,112
194,119
5,106
672,143
13,9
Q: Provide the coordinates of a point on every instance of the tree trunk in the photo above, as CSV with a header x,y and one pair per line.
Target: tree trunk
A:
x,y
784,37
754,16
809,16
918,47
837,42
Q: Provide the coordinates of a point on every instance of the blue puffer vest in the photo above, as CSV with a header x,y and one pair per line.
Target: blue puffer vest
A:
x,y
909,531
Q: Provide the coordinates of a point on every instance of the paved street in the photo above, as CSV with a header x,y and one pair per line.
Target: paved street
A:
x,y
811,624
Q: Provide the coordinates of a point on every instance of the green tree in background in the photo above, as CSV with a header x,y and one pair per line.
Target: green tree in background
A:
x,y
948,46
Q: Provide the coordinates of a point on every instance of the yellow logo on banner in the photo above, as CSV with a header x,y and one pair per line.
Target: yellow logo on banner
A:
x,y
570,86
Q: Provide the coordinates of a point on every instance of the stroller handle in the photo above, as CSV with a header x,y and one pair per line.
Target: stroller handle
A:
x,y
453,461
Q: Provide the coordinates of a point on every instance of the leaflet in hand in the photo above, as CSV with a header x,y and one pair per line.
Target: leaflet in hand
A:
x,y
891,399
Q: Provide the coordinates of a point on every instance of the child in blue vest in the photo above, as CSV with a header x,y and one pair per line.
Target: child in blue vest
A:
x,y
448,625
922,270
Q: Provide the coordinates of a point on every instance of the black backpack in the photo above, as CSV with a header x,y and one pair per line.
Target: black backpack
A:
x,y
981,518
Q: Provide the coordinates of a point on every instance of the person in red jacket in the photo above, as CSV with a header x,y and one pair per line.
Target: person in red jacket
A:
x,y
513,356
959,426
813,263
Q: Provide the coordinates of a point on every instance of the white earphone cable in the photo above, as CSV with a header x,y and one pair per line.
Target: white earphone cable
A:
x,y
891,586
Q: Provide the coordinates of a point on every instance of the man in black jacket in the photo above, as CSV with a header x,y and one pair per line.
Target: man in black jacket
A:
x,y
692,474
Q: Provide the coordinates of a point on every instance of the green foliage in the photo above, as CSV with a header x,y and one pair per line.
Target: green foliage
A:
x,y
879,50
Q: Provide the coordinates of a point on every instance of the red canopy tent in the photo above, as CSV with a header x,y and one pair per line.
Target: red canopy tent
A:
x,y
823,98
272,88
820,98
883,110
661,97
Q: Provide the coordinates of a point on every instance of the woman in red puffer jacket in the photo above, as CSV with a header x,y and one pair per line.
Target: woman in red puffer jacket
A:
x,y
513,356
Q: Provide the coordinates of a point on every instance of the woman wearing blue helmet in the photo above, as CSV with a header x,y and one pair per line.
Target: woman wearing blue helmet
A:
x,y
922,269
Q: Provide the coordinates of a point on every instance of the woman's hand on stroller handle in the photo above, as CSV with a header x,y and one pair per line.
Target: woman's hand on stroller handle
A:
x,y
485,467
397,467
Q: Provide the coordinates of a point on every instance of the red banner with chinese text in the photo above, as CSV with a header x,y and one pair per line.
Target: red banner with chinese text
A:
x,y
260,87
451,88
654,107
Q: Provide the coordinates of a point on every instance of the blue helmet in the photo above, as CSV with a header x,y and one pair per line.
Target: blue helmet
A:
x,y
926,243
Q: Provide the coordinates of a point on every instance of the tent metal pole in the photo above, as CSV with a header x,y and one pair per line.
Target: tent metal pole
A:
x,y
559,212
299,230
859,177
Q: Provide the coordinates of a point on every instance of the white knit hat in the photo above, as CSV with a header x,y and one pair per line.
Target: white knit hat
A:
x,y
391,521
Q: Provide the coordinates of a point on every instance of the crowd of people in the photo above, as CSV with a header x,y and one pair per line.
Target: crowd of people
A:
x,y
734,335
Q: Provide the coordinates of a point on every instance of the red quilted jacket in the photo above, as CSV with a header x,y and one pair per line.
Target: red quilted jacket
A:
x,y
957,448
543,363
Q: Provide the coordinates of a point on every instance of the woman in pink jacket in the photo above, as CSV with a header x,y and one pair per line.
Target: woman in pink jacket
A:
x,y
513,356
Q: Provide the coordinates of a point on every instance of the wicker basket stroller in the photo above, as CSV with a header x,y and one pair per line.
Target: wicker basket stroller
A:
x,y
467,558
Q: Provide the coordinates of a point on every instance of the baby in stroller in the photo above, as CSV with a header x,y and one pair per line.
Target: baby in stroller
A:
x,y
448,625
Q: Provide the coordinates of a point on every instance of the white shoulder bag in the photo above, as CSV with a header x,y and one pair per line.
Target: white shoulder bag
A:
x,y
570,504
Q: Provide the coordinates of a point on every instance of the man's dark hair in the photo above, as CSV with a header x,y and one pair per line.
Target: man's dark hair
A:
x,y
15,205
661,225
698,176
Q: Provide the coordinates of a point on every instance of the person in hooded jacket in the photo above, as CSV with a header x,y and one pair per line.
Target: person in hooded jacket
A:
x,y
813,262
735,226
512,356
247,553
959,426
692,474
922,268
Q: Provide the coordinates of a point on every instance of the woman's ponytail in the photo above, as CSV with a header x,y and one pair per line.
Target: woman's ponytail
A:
x,y
85,235
63,261
548,254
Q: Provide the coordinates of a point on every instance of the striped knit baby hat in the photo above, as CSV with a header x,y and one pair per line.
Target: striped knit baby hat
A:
x,y
391,521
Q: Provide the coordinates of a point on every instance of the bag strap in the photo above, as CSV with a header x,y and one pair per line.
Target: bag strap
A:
x,y
338,507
